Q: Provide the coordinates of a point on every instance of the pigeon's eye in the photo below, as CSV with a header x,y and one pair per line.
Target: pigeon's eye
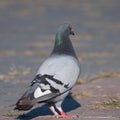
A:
x,y
69,28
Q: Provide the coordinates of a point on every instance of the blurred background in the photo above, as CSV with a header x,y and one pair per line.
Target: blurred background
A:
x,y
27,34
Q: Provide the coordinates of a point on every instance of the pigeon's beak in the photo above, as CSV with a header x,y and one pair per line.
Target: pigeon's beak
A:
x,y
72,33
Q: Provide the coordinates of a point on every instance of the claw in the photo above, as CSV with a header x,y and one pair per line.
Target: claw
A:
x,y
64,115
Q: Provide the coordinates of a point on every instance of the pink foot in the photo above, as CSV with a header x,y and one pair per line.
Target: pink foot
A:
x,y
64,115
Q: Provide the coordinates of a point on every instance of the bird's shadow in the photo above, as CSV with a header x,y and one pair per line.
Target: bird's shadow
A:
x,y
68,105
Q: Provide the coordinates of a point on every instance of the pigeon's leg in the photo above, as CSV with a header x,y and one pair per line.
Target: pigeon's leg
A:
x,y
63,114
52,109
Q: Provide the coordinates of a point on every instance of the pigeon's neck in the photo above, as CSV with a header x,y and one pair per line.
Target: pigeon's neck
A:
x,y
63,45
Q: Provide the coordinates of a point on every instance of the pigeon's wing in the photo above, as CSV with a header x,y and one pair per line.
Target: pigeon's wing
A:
x,y
42,90
38,92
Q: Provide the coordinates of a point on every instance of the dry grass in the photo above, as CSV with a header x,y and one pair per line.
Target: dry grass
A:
x,y
85,56
7,53
101,62
11,114
86,79
10,53
83,95
15,73
106,75
111,102
81,81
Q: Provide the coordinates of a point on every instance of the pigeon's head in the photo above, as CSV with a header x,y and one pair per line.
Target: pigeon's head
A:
x,y
63,44
65,30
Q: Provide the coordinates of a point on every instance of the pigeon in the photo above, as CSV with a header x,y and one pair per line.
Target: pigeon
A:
x,y
56,76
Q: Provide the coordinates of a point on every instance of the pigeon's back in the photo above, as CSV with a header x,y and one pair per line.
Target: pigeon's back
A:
x,y
64,68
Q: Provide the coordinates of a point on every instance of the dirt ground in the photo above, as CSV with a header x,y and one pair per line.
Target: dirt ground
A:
x,y
98,99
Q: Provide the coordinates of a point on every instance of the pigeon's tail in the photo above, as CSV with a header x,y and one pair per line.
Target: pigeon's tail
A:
x,y
35,94
24,103
28,100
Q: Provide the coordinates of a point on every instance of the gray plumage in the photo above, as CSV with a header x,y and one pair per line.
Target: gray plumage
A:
x,y
56,75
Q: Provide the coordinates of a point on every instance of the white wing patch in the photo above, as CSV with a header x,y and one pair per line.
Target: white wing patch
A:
x,y
38,93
